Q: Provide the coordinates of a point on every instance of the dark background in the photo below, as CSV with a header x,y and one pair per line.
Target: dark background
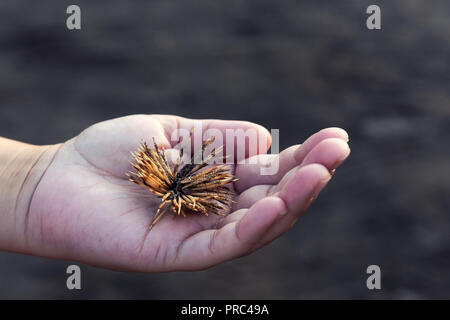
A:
x,y
297,66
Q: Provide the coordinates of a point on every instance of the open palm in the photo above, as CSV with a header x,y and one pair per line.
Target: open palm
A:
x,y
85,209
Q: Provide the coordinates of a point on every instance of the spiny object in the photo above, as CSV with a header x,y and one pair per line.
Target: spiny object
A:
x,y
189,189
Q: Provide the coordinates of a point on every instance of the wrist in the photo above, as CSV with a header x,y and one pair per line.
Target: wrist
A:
x,y
21,168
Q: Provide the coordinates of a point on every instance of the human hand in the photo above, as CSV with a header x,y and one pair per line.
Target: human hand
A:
x,y
85,209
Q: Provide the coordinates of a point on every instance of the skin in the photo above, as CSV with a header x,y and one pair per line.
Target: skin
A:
x,y
73,201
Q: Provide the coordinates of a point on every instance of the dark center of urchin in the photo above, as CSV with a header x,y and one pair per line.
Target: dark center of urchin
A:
x,y
176,186
176,189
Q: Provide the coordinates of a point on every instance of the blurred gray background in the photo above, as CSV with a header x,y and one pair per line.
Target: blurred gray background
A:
x,y
294,65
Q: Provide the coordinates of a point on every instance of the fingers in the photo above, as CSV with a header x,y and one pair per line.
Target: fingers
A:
x,y
235,239
248,229
249,174
323,134
305,184
298,194
249,171
247,198
330,153
273,208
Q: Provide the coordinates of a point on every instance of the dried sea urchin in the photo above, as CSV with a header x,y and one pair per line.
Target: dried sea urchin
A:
x,y
185,190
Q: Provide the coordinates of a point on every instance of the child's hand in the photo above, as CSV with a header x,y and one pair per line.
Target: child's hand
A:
x,y
85,209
